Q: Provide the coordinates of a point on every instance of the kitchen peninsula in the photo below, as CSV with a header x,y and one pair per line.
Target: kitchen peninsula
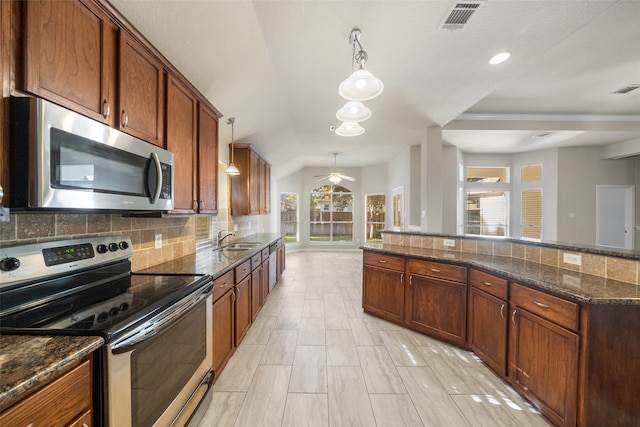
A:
x,y
565,339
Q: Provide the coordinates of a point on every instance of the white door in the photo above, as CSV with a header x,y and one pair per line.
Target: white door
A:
x,y
398,209
615,216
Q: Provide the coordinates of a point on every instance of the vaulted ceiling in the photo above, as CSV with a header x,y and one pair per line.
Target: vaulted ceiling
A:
x,y
276,65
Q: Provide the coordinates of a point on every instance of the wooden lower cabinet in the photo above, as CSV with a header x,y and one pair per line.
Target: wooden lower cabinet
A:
x,y
383,293
243,308
488,329
544,365
223,330
434,305
65,401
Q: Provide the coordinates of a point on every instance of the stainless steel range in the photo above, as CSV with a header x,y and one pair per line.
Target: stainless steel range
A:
x,y
155,368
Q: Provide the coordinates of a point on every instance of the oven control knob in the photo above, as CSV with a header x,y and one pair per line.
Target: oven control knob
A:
x,y
102,248
9,264
124,245
103,316
124,306
113,247
114,311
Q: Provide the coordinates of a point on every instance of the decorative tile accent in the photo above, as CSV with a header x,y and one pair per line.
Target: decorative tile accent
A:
x,y
470,246
427,242
502,248
71,224
532,253
36,226
594,264
517,250
622,269
549,256
485,247
415,241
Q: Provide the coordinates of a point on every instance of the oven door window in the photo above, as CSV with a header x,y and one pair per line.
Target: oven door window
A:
x,y
162,366
82,164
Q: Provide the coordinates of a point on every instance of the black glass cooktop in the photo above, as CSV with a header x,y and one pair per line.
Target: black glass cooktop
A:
x,y
108,306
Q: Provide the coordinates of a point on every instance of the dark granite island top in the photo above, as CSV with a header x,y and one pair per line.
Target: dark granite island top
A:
x,y
28,361
579,287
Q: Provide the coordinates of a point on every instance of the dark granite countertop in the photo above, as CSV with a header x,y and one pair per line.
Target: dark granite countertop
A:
x,y
573,285
28,361
209,259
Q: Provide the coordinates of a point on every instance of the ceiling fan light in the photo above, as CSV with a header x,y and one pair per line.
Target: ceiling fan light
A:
x,y
335,179
353,111
232,170
349,129
361,85
499,58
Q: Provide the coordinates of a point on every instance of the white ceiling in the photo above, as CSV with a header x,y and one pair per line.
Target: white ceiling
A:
x,y
276,65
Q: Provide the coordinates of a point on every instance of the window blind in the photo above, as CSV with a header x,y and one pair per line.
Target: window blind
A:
x,y
532,214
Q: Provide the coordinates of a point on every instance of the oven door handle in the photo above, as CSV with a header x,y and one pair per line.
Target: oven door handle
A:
x,y
158,323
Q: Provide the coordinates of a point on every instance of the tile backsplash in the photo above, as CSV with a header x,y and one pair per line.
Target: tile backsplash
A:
x,y
611,267
179,234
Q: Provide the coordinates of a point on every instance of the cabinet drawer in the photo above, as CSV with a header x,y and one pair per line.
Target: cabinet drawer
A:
x,y
265,254
256,260
57,404
222,284
455,273
385,261
488,283
558,310
243,270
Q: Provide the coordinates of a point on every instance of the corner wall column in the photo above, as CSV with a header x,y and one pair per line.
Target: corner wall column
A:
x,y
431,175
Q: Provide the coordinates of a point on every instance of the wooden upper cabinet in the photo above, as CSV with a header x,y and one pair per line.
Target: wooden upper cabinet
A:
x,y
182,110
71,56
207,160
140,91
250,191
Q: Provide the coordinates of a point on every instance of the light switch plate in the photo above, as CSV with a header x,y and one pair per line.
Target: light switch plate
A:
x,y
158,241
575,259
449,242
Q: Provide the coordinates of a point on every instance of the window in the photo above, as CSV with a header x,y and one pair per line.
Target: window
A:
x,y
487,175
289,217
331,214
532,214
531,173
374,217
487,213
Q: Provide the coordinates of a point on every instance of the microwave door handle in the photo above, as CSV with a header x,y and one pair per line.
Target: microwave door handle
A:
x,y
156,194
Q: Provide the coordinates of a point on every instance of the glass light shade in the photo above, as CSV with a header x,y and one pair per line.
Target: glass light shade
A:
x,y
349,129
361,85
353,111
335,179
232,170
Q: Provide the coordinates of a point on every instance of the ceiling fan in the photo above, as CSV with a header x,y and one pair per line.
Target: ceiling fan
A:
x,y
335,177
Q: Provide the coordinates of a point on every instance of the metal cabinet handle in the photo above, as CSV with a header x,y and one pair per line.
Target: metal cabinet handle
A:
x,y
381,261
435,270
410,280
502,310
513,316
234,297
124,119
195,204
201,204
402,278
106,109
539,304
487,283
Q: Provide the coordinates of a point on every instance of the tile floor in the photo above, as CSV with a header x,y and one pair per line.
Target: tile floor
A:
x,y
314,358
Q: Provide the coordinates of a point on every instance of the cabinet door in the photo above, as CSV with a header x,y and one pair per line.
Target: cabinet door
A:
x,y
437,307
488,329
223,335
182,142
266,207
265,281
544,365
383,293
71,56
256,292
243,308
262,186
254,183
207,160
141,92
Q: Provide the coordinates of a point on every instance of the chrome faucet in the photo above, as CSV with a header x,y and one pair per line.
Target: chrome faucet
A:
x,y
222,235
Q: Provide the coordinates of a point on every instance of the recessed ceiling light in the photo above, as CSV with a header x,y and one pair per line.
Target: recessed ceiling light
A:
x,y
499,58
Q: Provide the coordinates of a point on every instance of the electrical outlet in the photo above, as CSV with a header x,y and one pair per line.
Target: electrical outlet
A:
x,y
158,241
574,259
449,242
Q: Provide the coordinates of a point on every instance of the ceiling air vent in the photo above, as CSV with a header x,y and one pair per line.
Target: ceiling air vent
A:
x,y
625,89
460,14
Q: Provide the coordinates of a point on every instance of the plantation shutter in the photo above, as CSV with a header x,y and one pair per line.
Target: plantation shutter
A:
x,y
532,214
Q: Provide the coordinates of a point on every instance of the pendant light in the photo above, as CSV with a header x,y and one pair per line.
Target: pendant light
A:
x,y
232,169
349,129
361,85
353,111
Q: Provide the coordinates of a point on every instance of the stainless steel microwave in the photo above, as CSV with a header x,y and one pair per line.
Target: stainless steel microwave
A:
x,y
61,160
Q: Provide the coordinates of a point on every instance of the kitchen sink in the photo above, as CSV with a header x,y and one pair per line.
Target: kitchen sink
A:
x,y
235,248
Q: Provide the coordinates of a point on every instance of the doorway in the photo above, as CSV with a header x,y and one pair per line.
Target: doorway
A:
x,y
615,216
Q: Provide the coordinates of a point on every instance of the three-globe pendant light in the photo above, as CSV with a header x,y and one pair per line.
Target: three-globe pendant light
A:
x,y
360,86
